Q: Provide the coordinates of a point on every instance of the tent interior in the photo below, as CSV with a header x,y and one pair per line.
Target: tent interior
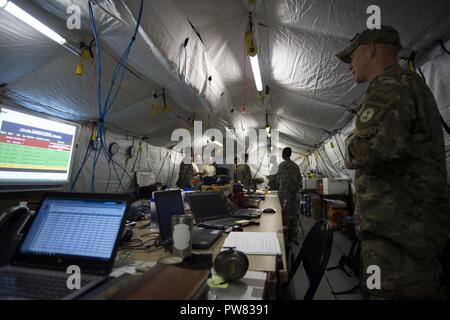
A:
x,y
138,75
189,63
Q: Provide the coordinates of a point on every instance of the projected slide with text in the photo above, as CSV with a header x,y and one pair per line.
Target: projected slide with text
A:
x,y
26,148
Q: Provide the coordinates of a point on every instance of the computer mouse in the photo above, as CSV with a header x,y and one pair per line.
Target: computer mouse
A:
x,y
269,210
237,228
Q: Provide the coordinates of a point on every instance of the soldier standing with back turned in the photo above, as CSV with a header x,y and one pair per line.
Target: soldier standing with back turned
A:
x,y
290,183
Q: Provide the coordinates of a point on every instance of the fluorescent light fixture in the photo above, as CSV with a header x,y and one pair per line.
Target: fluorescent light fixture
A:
x,y
256,72
213,139
31,21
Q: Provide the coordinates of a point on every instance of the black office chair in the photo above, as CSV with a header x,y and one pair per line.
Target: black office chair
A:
x,y
314,254
220,171
350,265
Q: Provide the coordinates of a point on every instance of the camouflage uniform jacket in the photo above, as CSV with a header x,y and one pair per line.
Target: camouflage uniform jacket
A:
x,y
398,152
185,175
289,179
244,175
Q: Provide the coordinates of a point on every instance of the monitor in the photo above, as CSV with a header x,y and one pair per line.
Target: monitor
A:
x,y
207,206
36,151
168,204
69,228
75,227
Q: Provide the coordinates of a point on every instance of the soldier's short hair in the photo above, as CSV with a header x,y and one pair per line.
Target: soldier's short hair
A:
x,y
287,152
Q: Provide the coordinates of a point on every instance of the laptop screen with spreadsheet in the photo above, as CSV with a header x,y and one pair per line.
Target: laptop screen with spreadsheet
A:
x,y
82,226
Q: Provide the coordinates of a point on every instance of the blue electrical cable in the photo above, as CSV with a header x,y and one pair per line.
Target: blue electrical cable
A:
x,y
86,156
103,109
114,163
99,63
111,162
123,60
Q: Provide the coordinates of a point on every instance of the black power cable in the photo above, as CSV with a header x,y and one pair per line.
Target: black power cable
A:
x,y
260,164
329,160
126,165
324,162
162,166
339,147
86,156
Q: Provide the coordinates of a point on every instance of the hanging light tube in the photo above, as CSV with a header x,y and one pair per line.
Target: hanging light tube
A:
x,y
256,72
32,21
21,14
218,143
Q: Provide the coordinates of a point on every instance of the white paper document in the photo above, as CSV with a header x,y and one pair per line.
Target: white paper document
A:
x,y
264,243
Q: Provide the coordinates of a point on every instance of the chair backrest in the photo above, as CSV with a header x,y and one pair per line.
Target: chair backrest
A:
x,y
314,254
221,171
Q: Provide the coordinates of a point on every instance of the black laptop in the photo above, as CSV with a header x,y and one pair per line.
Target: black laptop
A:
x,y
210,210
75,230
170,203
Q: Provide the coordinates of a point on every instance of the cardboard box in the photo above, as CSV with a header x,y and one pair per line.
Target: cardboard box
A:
x,y
215,188
335,186
311,184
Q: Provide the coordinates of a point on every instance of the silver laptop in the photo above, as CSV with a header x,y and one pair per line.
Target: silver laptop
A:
x,y
75,230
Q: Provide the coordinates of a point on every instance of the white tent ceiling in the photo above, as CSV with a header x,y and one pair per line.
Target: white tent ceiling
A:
x,y
310,90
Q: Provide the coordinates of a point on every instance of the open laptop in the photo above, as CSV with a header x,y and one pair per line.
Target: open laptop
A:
x,y
210,210
170,203
245,213
68,229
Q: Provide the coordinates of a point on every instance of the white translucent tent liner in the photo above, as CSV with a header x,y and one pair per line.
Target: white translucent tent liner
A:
x,y
311,92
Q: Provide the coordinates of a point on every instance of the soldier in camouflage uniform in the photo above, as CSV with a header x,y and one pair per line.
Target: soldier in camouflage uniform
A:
x,y
290,183
186,173
397,150
273,180
243,174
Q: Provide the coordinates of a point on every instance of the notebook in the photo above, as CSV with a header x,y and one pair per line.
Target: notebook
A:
x,y
170,203
209,210
68,229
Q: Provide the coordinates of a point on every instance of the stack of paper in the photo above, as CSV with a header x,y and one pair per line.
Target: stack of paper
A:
x,y
264,243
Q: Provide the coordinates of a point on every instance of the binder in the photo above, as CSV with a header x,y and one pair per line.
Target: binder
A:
x,y
164,282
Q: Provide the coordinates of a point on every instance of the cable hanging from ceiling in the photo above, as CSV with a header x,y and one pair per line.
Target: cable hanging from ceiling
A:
x,y
97,139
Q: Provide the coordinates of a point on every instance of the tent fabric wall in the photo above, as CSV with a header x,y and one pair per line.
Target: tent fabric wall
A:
x,y
298,40
436,71
160,164
312,95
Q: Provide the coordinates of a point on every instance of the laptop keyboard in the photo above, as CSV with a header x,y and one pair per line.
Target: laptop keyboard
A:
x,y
250,213
14,284
198,233
203,238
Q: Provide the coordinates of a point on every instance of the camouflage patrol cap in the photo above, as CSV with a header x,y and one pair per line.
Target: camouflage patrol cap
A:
x,y
386,35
